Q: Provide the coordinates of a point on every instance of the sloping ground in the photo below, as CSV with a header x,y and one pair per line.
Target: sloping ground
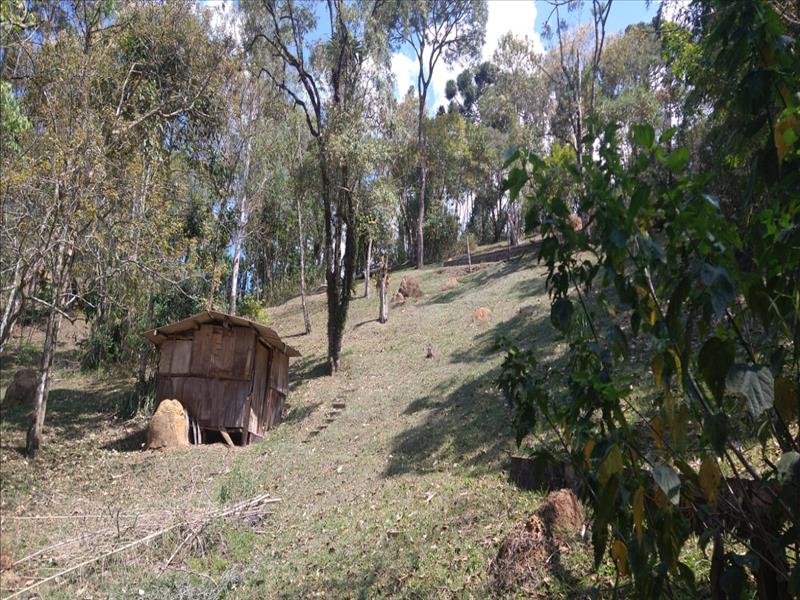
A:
x,y
402,492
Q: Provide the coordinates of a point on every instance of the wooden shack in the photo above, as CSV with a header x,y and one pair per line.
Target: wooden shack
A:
x,y
230,374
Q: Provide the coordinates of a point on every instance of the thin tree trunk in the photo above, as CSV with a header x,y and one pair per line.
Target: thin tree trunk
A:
x,y
469,255
421,217
423,176
13,305
383,281
366,268
144,351
237,248
61,281
579,113
306,319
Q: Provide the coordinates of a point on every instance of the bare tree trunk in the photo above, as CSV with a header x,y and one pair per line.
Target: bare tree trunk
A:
x,y
237,247
302,241
421,216
366,268
579,112
469,254
423,176
13,304
61,281
383,287
144,351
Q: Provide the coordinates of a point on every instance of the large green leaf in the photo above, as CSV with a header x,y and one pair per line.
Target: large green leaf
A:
x,y
715,360
677,160
716,428
667,479
602,515
644,136
755,384
720,287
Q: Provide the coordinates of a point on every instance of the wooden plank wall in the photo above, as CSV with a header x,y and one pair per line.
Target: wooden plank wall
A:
x,y
210,374
258,396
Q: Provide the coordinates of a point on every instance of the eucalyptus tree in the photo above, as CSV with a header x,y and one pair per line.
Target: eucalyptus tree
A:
x,y
578,52
436,30
331,81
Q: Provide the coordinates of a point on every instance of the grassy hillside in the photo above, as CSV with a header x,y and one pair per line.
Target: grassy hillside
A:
x,y
403,493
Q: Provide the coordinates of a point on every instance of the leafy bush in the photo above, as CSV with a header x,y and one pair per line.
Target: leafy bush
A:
x,y
714,309
250,308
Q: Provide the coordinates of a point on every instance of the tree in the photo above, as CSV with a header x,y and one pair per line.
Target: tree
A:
x,y
574,51
449,30
81,180
711,299
332,92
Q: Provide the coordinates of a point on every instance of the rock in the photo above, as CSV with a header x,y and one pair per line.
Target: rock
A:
x,y
168,427
22,389
409,287
481,314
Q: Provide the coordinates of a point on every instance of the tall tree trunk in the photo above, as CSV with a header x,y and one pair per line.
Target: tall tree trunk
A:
x,y
423,177
469,254
383,287
61,282
578,112
366,268
237,247
421,216
13,304
144,350
306,319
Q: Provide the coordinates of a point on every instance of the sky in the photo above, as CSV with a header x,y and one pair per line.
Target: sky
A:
x,y
521,17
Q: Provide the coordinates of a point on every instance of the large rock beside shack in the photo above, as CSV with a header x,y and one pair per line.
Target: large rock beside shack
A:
x,y
22,389
409,287
169,426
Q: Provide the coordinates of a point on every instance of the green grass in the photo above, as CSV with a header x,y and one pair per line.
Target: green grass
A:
x,y
404,494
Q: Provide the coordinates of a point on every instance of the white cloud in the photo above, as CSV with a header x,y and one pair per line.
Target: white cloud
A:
x,y
404,71
516,16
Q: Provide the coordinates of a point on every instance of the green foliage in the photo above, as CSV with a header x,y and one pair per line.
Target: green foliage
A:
x,y
238,484
12,121
250,308
713,312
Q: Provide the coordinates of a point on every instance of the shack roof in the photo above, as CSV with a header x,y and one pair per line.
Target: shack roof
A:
x,y
269,336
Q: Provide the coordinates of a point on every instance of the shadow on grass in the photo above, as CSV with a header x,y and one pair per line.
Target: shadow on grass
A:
x,y
297,414
469,283
522,329
304,369
132,442
72,413
468,421
469,425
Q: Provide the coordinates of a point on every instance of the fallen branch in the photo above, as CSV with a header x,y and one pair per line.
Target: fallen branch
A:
x,y
246,507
